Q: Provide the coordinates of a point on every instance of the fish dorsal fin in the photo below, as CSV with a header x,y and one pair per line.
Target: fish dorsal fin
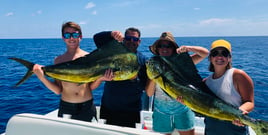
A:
x,y
113,46
183,64
186,71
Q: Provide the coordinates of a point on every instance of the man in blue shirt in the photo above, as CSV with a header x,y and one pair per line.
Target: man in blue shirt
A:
x,y
121,101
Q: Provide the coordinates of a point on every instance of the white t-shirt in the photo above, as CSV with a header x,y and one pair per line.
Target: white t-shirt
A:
x,y
224,88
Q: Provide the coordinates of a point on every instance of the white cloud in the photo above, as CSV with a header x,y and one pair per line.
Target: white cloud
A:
x,y
9,14
215,21
94,12
90,5
39,12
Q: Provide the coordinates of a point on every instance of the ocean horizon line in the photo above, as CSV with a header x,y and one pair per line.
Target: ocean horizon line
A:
x,y
141,37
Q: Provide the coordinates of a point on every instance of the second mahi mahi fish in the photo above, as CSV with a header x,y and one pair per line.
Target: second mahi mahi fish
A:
x,y
178,76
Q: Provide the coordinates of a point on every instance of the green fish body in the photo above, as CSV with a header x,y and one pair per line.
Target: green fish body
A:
x,y
178,76
86,69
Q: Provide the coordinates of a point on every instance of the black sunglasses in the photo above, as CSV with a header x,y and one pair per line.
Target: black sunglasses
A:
x,y
164,46
223,53
69,35
129,38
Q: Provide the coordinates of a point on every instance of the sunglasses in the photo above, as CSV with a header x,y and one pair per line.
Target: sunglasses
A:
x,y
69,35
223,53
129,38
164,46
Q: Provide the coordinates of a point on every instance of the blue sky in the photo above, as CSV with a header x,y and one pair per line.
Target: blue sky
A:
x,y
43,19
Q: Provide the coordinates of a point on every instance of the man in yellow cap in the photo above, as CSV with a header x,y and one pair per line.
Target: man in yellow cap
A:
x,y
232,85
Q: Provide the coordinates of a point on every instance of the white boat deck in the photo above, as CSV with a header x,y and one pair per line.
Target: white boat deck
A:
x,y
50,124
146,119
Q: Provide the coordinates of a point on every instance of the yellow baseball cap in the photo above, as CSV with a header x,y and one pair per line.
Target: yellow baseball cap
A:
x,y
221,43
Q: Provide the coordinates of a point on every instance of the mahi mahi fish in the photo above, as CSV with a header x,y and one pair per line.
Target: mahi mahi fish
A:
x,y
177,76
112,55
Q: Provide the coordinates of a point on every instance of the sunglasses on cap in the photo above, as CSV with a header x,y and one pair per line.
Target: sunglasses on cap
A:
x,y
223,53
164,46
129,38
69,35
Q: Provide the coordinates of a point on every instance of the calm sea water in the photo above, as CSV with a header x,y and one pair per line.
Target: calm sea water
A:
x,y
249,54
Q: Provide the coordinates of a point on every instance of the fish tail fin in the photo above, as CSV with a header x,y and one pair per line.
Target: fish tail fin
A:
x,y
27,64
259,126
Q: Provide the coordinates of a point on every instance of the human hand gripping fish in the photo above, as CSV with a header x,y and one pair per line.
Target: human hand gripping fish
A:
x,y
37,69
117,35
108,75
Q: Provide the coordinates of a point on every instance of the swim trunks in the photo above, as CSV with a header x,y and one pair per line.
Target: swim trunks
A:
x,y
166,123
80,111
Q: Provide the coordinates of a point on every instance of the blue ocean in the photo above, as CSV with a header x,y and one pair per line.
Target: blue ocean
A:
x,y
249,54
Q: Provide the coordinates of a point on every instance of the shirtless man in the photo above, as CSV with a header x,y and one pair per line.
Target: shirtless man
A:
x,y
76,99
